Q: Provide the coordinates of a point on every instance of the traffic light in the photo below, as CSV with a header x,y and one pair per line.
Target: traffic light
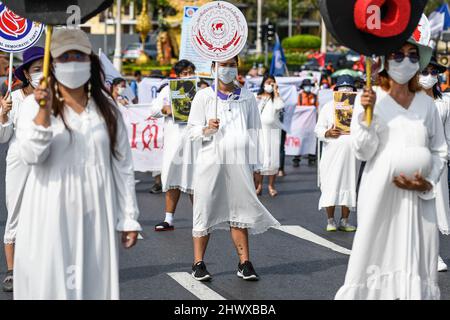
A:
x,y
263,32
270,31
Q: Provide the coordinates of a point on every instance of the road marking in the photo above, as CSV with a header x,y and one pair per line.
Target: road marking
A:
x,y
195,287
312,237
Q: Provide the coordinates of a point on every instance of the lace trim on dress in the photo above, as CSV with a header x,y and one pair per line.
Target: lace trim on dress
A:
x,y
252,228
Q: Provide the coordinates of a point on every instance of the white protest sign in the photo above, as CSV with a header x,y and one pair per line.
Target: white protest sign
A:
x,y
202,66
148,89
145,134
219,31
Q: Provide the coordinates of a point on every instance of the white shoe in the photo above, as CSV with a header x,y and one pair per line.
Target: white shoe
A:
x,y
442,267
345,226
331,226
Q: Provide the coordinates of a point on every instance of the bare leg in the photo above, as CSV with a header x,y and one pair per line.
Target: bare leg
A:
x,y
9,253
273,192
258,182
200,244
330,212
345,212
240,239
172,197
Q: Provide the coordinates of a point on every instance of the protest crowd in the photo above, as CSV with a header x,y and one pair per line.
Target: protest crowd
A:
x,y
76,143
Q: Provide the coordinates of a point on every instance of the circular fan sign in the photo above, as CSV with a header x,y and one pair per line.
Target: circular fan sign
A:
x,y
16,33
219,31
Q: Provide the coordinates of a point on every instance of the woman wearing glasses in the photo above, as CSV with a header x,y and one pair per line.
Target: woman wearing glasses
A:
x,y
395,250
430,82
80,191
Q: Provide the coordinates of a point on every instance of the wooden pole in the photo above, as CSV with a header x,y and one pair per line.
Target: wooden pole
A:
x,y
369,110
46,67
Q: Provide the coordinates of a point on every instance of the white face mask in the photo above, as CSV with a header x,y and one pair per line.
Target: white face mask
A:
x,y
36,79
307,89
227,75
73,74
268,88
121,91
428,82
402,72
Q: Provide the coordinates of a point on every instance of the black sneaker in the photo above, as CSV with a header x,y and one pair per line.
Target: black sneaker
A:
x,y
8,282
296,162
247,272
200,273
157,188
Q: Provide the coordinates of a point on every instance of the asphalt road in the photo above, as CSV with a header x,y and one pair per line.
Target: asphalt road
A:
x,y
290,266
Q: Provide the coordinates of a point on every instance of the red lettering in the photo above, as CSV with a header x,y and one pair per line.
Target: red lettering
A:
x,y
152,136
133,137
395,21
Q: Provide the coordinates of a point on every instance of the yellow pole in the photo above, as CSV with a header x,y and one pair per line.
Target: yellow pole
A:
x,y
369,110
46,69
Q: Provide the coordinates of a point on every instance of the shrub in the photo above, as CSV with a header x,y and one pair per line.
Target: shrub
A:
x,y
301,42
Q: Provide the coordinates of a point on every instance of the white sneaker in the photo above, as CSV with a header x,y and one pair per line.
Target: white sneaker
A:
x,y
442,267
331,226
345,226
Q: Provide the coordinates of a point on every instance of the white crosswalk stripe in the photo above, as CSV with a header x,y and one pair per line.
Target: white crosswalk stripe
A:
x,y
198,289
312,237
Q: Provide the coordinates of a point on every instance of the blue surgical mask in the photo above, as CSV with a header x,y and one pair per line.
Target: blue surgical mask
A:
x,y
227,75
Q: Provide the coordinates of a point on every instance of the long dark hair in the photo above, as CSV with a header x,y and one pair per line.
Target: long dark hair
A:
x,y
102,98
261,88
436,90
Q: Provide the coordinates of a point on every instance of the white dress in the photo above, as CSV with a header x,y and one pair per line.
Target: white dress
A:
x,y
395,250
178,152
16,170
338,165
224,189
271,133
442,196
76,199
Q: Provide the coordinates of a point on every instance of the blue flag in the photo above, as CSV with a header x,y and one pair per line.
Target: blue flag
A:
x,y
278,67
440,20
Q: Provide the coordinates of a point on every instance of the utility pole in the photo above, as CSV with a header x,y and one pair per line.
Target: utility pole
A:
x,y
266,44
118,50
290,19
258,27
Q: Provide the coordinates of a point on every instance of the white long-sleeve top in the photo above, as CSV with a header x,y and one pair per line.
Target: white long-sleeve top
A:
x,y
77,196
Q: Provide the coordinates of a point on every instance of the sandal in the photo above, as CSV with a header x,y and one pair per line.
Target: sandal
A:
x,y
259,191
164,226
273,192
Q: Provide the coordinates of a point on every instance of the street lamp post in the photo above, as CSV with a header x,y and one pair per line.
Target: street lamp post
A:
x,y
323,47
258,27
118,49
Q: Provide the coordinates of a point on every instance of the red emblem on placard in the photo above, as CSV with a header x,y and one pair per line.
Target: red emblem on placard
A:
x,y
219,31
11,24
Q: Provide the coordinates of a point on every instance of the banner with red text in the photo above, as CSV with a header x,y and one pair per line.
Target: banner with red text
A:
x,y
300,138
146,137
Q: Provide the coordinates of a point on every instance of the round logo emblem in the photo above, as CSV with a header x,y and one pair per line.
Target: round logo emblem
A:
x,y
219,31
17,33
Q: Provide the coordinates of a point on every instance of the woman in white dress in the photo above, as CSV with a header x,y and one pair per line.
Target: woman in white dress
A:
x,y
338,165
30,73
224,196
80,191
395,250
178,169
270,105
430,82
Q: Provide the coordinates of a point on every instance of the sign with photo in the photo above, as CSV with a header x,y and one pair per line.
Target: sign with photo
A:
x,y
182,92
343,106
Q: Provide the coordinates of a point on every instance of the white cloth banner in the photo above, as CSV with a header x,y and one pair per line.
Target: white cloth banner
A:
x,y
146,137
147,89
300,138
